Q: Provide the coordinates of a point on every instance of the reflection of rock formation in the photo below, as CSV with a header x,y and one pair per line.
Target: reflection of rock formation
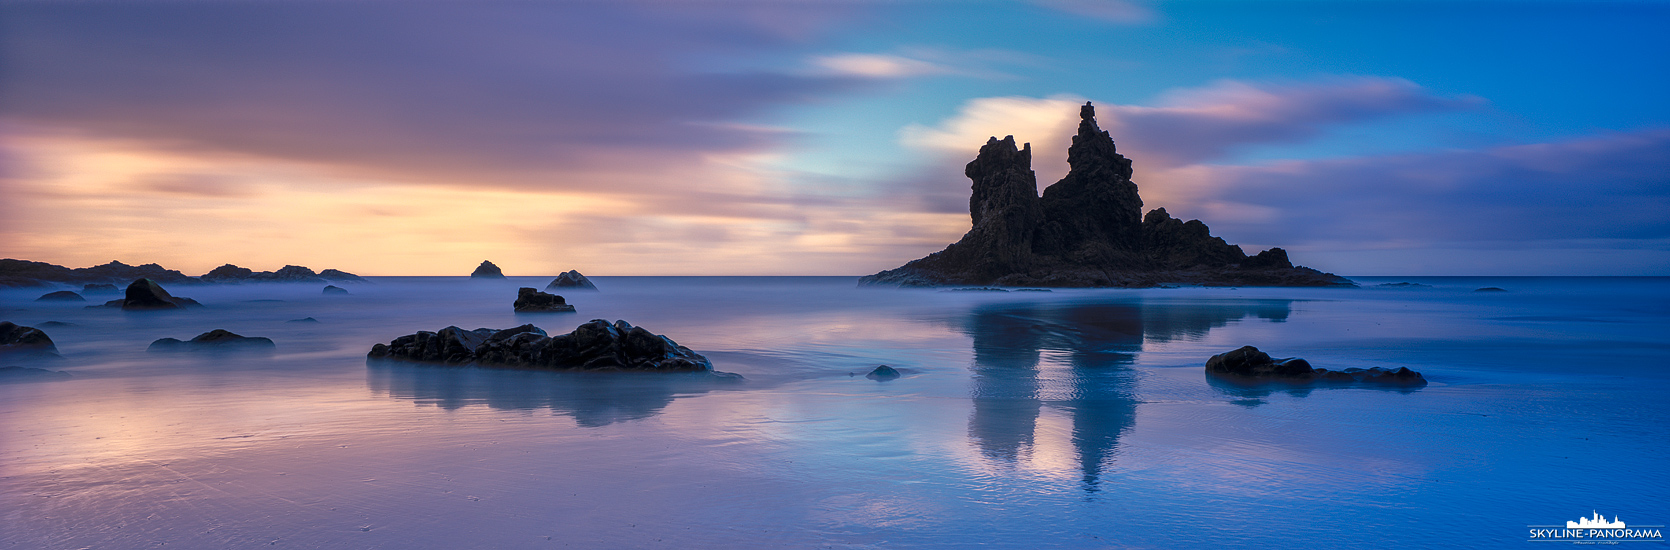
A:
x,y
592,398
1073,358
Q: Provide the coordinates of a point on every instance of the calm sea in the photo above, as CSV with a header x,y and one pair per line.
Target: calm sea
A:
x,y
1065,419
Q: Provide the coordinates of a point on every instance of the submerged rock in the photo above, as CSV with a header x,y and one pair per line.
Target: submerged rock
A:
x,y
1490,289
529,300
61,296
27,374
21,342
145,294
1249,364
571,280
214,340
1404,284
303,320
1086,230
883,372
487,271
594,346
333,289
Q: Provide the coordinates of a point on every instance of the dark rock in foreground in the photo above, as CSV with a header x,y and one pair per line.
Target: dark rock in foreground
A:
x,y
1490,289
1249,364
145,294
100,288
571,280
883,372
21,342
594,346
487,271
1087,230
333,289
529,300
26,374
214,340
61,296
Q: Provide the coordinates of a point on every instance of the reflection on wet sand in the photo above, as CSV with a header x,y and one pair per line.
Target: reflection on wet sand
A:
x,y
1252,393
1074,358
593,398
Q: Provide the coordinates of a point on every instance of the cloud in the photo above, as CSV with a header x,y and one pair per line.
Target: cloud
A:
x,y
877,66
1048,124
1117,11
1611,186
508,94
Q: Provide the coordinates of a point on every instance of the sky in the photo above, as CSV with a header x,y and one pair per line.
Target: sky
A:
x,y
804,137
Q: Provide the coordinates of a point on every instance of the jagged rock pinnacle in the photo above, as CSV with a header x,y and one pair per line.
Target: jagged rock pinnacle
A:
x,y
1086,230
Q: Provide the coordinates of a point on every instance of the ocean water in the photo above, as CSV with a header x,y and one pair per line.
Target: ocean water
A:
x,y
1065,419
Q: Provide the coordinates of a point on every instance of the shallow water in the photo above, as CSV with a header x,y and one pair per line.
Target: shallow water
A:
x,y
1074,418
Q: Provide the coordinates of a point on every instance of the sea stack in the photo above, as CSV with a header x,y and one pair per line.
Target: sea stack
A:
x,y
487,271
571,280
1087,230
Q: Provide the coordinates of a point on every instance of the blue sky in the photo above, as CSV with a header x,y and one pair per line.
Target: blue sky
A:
x,y
796,137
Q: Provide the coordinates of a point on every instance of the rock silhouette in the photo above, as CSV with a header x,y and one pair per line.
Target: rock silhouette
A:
x,y
21,342
61,296
145,294
571,280
487,271
1250,365
529,300
23,273
594,346
214,340
1086,230
333,289
288,274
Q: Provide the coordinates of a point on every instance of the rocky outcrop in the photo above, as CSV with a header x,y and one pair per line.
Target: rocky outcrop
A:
x,y
24,273
529,300
1086,230
21,342
594,346
231,274
214,340
61,296
883,372
572,281
487,271
146,294
1247,364
333,289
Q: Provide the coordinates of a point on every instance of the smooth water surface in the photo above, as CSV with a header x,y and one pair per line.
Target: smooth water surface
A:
x,y
1073,418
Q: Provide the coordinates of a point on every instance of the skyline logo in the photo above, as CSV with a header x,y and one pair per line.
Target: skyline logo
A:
x,y
1597,522
1596,529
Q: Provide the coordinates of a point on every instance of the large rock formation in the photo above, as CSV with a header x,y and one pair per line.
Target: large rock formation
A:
x,y
571,280
20,342
146,294
23,273
596,345
288,274
530,300
487,271
1087,230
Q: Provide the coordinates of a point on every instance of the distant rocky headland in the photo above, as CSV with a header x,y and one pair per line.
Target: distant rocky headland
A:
x,y
24,273
1087,230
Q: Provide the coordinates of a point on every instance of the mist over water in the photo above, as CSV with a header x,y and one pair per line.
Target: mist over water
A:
x,y
1073,418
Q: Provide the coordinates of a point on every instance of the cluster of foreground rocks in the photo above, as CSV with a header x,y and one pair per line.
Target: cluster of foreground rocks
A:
x,y
595,346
